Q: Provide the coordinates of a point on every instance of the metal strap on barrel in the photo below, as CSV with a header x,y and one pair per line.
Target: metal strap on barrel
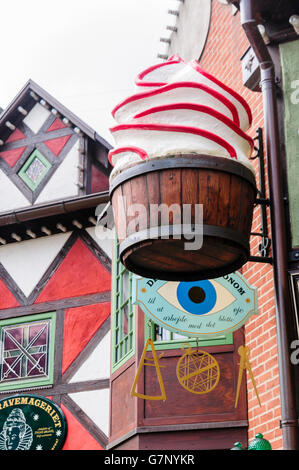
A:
x,y
175,230
188,161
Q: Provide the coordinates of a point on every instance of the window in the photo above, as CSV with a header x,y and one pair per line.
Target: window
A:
x,y
27,351
165,339
123,318
34,169
294,276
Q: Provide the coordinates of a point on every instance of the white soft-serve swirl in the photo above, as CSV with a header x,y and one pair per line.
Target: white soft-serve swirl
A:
x,y
179,109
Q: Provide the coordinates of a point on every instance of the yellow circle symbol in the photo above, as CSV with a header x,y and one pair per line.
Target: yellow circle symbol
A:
x,y
198,372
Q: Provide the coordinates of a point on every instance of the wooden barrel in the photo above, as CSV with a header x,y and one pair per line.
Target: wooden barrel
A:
x,y
157,250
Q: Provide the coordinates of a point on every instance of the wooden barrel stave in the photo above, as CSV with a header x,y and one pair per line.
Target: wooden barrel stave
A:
x,y
227,199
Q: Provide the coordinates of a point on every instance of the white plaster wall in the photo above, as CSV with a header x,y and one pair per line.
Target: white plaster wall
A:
x,y
97,365
103,237
36,117
10,196
96,405
63,182
27,261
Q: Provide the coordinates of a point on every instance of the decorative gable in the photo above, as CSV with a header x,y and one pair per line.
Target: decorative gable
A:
x,y
55,268
47,152
33,152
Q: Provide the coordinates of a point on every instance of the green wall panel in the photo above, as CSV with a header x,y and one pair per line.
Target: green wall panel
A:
x,y
289,53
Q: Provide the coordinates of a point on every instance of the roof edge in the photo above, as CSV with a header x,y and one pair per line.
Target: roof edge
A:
x,y
53,208
54,103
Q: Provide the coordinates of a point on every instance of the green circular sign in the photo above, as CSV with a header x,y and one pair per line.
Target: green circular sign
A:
x,y
31,422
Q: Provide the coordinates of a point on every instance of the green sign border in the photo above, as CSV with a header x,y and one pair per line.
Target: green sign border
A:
x,y
39,417
32,382
234,316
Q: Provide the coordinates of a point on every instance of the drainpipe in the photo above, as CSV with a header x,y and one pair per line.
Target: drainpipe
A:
x,y
278,231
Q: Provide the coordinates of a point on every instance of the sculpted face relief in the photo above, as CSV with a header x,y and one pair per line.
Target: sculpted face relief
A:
x,y
180,108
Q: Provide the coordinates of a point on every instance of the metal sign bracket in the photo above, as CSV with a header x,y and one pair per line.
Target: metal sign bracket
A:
x,y
262,202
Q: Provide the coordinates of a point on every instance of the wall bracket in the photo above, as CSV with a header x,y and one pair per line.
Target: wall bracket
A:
x,y
262,202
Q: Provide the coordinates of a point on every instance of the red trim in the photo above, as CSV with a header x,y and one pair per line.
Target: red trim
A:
x,y
200,108
142,153
185,129
16,135
171,86
56,145
80,273
56,124
12,156
78,332
78,437
175,59
7,299
236,95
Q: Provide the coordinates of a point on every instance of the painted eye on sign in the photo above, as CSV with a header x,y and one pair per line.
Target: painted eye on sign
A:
x,y
199,309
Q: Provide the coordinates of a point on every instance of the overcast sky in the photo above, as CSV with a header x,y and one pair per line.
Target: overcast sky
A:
x,y
86,53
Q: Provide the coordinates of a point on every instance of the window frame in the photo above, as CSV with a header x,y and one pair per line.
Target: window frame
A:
x,y
179,343
117,306
35,382
22,172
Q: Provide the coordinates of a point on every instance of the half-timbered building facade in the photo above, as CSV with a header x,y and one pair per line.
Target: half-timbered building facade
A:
x,y
55,273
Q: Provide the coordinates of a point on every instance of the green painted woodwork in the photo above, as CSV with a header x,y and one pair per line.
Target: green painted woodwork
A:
x,y
123,312
44,168
31,382
289,53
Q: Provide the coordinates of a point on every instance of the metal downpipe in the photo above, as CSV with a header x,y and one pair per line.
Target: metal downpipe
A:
x,y
278,232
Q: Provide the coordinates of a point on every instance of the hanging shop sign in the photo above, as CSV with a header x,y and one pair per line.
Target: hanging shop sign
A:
x,y
198,371
181,161
153,362
199,309
244,352
31,422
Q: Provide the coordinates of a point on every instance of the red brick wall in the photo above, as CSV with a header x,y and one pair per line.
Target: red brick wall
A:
x,y
221,57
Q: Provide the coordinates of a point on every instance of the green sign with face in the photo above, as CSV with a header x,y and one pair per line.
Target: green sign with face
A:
x,y
31,422
200,309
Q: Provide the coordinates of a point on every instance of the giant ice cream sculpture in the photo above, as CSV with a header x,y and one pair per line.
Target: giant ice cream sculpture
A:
x,y
182,135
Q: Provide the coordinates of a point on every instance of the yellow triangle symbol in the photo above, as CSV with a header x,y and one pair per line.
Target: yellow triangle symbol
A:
x,y
146,361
